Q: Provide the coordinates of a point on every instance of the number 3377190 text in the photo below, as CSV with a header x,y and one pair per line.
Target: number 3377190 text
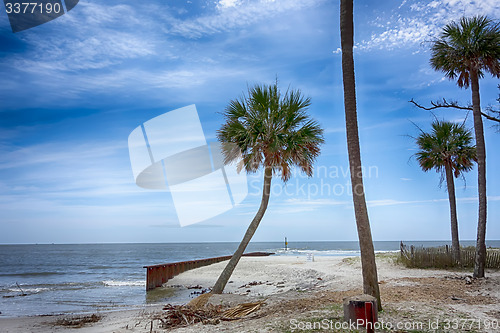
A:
x,y
32,8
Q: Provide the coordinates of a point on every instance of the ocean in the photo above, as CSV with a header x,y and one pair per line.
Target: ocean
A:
x,y
82,278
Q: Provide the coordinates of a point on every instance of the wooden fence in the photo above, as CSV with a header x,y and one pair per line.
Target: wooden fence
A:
x,y
441,257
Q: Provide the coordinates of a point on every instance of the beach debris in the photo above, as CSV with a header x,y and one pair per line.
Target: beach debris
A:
x,y
201,292
78,322
185,315
241,310
251,284
469,279
195,287
280,284
199,301
22,292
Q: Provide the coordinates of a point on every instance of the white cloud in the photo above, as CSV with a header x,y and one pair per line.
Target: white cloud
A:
x,y
235,14
309,205
57,153
102,48
93,52
416,22
227,3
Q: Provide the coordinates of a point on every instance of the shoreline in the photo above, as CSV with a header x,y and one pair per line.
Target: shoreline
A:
x,y
296,288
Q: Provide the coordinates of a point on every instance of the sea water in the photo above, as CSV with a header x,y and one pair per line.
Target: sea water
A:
x,y
78,278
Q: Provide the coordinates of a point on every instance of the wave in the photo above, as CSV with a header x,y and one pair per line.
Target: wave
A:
x,y
318,252
28,290
32,274
113,283
99,267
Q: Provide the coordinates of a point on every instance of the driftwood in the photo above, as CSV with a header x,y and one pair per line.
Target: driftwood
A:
x,y
185,315
181,315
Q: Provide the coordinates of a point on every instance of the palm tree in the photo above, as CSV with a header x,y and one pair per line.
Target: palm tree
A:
x,y
369,267
465,51
448,149
269,130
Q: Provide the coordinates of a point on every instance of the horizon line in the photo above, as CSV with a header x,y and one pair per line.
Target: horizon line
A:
x,y
237,242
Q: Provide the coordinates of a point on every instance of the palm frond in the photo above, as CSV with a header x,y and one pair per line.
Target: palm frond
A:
x,y
447,144
271,129
469,45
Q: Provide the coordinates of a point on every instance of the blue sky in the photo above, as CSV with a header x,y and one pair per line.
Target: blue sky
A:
x,y
74,88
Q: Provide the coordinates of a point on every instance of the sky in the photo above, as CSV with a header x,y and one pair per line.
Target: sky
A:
x,y
73,89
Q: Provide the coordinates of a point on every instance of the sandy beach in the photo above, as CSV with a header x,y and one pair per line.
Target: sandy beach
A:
x,y
299,293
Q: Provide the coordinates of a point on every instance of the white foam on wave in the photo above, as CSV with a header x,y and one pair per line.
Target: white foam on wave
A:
x,y
113,283
319,252
327,252
28,290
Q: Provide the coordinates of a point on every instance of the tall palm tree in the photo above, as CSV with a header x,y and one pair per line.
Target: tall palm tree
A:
x,y
269,130
448,149
369,267
465,51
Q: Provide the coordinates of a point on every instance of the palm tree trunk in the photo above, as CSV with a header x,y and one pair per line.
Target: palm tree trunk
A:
x,y
231,265
450,182
480,259
369,267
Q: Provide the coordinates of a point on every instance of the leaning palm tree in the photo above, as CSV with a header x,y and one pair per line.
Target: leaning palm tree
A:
x,y
369,266
271,131
465,51
448,149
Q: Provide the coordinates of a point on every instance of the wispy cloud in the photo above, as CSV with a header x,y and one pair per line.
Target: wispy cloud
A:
x,y
393,202
415,22
88,39
291,206
101,48
233,14
56,153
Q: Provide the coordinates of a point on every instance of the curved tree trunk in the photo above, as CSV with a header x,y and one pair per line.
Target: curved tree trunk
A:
x,y
480,259
450,183
231,265
369,267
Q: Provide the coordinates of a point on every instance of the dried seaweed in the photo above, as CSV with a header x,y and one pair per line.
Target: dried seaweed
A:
x,y
184,315
77,322
241,310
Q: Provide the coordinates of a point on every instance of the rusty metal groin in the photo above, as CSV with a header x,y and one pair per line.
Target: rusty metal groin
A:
x,y
157,275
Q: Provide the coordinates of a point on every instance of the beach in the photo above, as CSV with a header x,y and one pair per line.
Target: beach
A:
x,y
299,293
